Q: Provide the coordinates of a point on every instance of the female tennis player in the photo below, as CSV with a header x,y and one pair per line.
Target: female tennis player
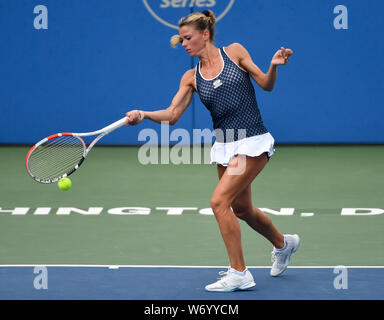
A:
x,y
243,145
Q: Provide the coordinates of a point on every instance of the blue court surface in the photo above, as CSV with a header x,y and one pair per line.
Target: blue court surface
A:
x,y
185,283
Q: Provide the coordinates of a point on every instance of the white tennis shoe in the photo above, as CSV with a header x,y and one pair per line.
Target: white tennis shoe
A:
x,y
281,257
231,281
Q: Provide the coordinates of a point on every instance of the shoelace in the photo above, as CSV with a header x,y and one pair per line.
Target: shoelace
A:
x,y
223,277
223,274
275,255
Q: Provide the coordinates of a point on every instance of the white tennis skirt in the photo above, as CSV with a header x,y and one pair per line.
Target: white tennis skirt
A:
x,y
223,152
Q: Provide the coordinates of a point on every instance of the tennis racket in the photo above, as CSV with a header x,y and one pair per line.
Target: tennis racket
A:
x,y
61,154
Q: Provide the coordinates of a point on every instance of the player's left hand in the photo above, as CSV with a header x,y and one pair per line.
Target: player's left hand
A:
x,y
281,57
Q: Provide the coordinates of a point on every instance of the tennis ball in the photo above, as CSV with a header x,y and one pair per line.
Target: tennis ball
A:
x,y
64,184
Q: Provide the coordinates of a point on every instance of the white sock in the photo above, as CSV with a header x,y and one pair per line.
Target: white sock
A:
x,y
285,245
238,272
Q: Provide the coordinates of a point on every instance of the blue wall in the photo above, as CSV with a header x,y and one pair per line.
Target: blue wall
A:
x,y
99,59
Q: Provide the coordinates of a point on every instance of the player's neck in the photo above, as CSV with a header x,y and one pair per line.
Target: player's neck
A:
x,y
210,55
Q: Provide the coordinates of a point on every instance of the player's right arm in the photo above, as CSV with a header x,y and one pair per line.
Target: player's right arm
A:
x,y
172,114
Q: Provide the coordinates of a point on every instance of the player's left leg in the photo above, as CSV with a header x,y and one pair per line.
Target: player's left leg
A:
x,y
284,245
258,220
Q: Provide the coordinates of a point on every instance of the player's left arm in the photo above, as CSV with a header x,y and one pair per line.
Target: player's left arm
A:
x,y
265,80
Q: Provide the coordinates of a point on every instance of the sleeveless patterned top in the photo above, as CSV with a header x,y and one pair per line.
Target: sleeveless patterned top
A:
x,y
230,98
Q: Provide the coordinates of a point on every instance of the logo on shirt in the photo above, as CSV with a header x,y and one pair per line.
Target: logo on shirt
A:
x,y
217,83
169,12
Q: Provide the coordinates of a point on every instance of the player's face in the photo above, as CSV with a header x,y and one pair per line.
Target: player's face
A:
x,y
193,40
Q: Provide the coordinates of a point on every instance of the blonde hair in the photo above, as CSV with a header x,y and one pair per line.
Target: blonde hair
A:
x,y
201,21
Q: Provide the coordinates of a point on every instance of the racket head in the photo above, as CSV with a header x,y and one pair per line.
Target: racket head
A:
x,y
55,157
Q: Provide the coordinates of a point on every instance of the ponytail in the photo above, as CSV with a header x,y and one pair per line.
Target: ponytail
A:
x,y
201,21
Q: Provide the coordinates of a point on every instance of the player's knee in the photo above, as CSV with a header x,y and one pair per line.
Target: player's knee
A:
x,y
218,204
241,211
241,214
215,203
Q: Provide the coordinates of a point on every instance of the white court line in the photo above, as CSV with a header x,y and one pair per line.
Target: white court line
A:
x,y
112,266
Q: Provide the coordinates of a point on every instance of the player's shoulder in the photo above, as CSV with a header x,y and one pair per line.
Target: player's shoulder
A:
x,y
235,46
189,76
236,49
190,73
188,79
236,52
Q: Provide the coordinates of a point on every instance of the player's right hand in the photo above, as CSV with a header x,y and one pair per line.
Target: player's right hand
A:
x,y
134,117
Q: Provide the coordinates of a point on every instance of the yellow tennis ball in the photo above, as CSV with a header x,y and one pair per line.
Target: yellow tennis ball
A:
x,y
64,184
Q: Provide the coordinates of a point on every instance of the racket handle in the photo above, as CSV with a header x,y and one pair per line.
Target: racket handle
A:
x,y
114,126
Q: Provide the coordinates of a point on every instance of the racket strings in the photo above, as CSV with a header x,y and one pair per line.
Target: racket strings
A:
x,y
46,148
52,167
52,161
55,157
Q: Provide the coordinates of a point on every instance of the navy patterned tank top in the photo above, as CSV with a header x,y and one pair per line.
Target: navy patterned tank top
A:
x,y
230,98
